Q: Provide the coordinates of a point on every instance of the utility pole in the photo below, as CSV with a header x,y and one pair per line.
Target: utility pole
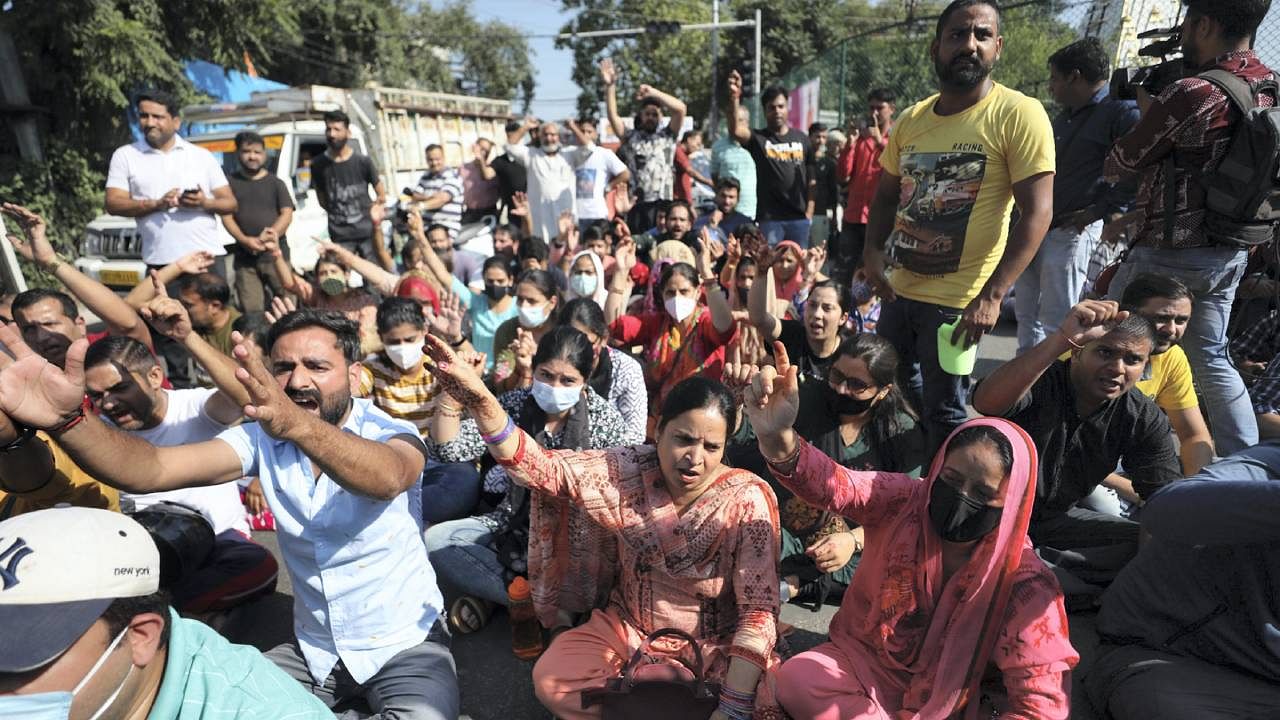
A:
x,y
13,95
713,123
679,27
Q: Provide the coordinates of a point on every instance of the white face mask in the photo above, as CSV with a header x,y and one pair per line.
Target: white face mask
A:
x,y
554,400
532,316
583,285
405,355
680,307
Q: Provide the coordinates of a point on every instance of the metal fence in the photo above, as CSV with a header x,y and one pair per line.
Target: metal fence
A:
x,y
893,53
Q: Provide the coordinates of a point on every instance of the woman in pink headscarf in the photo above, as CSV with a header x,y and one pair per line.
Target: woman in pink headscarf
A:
x,y
948,589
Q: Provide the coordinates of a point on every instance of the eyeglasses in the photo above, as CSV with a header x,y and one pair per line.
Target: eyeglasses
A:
x,y
839,382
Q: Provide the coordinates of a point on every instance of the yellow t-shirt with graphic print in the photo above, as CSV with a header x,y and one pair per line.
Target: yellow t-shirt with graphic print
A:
x,y
957,175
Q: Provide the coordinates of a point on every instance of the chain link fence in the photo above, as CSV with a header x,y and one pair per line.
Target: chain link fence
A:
x,y
894,53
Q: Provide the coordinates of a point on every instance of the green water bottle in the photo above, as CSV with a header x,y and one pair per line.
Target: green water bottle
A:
x,y
955,359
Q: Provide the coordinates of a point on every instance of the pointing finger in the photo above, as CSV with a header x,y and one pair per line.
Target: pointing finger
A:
x,y
157,285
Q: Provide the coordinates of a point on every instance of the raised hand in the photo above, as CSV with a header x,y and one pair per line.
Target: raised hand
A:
x,y
814,258
457,377
531,122
608,74
703,256
281,305
1090,320
35,392
40,250
448,322
195,263
523,348
165,314
623,202
625,255
277,414
737,374
735,85
644,91
773,399
734,250
519,204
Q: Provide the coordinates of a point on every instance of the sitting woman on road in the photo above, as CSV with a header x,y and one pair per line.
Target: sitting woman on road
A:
x,y
858,417
686,335
948,589
697,543
483,554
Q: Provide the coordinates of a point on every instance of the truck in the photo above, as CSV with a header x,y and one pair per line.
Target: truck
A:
x,y
393,126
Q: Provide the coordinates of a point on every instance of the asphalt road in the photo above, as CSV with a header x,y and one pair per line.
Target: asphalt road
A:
x,y
497,686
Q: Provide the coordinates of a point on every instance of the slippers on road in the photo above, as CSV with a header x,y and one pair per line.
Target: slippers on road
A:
x,y
469,614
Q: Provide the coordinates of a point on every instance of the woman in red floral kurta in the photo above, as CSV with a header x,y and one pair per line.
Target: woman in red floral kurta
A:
x,y
697,542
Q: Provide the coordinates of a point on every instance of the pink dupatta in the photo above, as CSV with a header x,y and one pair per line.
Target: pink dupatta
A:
x,y
948,666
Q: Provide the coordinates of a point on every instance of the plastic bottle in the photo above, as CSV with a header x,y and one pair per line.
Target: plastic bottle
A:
x,y
526,632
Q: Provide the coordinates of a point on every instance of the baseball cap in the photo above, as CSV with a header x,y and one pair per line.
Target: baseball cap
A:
x,y
59,571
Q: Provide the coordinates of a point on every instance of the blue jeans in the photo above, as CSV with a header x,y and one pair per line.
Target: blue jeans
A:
x,y
912,327
1052,283
1212,273
461,556
775,231
449,491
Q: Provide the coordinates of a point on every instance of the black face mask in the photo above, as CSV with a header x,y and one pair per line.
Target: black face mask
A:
x,y
496,292
841,404
958,517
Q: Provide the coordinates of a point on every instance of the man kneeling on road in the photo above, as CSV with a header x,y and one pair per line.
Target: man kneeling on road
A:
x,y
334,471
85,633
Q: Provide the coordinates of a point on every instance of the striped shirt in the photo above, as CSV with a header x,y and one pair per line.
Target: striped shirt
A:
x,y
449,214
401,395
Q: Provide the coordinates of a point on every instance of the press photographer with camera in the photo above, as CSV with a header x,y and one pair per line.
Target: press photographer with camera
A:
x,y
1195,223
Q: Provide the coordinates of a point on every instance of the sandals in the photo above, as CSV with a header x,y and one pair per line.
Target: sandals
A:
x,y
468,614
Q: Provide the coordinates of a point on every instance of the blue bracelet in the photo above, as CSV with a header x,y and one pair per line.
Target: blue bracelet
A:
x,y
503,434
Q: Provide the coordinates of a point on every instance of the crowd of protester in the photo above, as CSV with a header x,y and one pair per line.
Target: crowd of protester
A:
x,y
641,414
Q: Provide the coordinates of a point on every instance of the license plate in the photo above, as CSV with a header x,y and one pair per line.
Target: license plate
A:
x,y
125,278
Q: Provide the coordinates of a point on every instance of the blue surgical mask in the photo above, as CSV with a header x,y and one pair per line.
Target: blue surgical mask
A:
x,y
57,705
532,316
40,706
555,400
583,285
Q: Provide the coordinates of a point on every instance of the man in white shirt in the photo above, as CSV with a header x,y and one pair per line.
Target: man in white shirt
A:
x,y
335,473
597,175
172,187
125,383
551,174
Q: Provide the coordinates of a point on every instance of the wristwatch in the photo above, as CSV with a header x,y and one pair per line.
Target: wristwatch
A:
x,y
24,436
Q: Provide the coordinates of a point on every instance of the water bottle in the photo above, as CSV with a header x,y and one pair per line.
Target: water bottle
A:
x,y
526,632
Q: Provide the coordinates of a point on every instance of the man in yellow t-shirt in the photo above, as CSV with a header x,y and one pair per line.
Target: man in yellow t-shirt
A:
x,y
953,169
1166,302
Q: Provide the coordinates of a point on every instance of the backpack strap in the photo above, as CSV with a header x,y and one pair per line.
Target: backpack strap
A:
x,y
1237,90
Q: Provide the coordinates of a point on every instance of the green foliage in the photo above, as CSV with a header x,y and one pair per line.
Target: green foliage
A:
x,y
84,59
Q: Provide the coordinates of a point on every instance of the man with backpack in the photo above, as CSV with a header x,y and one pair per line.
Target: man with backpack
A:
x,y
1208,191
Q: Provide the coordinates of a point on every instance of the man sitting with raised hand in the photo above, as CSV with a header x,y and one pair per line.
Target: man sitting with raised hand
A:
x,y
334,471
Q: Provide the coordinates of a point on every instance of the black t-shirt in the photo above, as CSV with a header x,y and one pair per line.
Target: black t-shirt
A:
x,y
812,368
1077,453
344,189
784,165
512,178
259,204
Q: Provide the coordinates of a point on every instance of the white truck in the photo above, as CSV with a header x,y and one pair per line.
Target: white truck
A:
x,y
393,126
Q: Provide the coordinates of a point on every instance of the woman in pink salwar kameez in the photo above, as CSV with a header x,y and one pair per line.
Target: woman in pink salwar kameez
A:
x,y
698,544
949,590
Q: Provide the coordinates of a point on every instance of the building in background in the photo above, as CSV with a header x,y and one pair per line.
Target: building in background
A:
x,y
1118,22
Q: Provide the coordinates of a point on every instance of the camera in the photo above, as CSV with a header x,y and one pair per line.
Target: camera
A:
x,y
1152,78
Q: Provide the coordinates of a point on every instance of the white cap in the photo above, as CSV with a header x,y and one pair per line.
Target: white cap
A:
x,y
59,570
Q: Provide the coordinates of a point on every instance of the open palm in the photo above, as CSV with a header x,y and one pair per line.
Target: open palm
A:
x,y
772,401
35,392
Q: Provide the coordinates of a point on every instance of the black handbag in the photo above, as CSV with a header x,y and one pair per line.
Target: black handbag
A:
x,y
649,682
182,535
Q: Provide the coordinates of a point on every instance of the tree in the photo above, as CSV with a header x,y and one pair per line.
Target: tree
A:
x,y
83,62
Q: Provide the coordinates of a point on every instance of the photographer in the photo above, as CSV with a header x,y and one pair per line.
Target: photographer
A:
x,y
1180,140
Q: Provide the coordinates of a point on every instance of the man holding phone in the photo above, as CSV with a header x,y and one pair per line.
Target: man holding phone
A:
x,y
172,187
175,190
